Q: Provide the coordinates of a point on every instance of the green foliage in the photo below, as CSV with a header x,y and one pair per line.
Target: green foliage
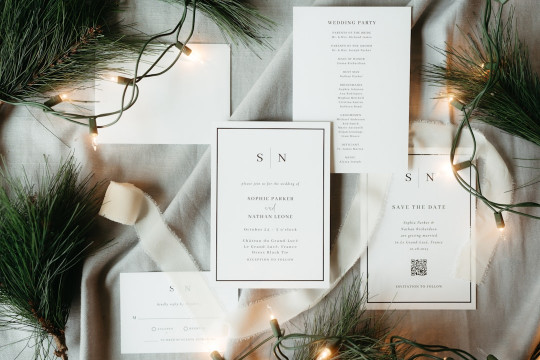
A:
x,y
344,327
238,21
342,330
48,44
43,243
51,46
513,102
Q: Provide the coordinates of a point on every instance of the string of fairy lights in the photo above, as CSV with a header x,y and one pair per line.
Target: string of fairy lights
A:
x,y
329,347
492,71
130,92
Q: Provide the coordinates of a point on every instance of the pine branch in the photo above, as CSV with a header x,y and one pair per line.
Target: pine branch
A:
x,y
513,103
43,243
46,45
345,325
238,21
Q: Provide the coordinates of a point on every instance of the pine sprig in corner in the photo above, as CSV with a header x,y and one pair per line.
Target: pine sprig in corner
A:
x,y
49,45
43,243
513,103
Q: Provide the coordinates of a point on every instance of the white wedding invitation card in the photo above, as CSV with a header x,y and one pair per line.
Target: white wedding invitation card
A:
x,y
351,66
427,221
270,204
172,312
171,108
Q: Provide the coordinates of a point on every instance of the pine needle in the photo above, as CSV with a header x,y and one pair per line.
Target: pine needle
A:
x,y
43,243
345,323
513,104
238,21
47,45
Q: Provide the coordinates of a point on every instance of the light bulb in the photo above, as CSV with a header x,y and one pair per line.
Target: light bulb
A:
x,y
270,312
499,221
94,141
462,165
324,354
446,169
122,80
487,66
274,324
92,126
55,100
185,50
456,103
195,57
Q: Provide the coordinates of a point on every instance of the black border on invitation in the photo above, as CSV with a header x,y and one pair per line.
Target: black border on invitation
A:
x,y
426,302
323,195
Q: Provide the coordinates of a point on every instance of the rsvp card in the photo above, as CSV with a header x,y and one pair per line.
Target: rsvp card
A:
x,y
410,261
351,66
270,204
172,312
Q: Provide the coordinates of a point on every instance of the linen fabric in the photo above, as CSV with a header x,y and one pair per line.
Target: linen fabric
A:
x,y
177,177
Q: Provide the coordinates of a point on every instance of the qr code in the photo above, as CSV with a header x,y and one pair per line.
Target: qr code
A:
x,y
418,267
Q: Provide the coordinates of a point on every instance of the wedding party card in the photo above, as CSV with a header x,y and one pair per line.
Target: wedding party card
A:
x,y
270,204
351,66
172,312
171,108
410,262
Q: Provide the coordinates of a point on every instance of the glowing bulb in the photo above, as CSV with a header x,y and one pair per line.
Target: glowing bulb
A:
x,y
270,312
195,57
122,80
92,126
94,141
55,100
462,165
446,169
487,66
274,324
499,221
185,50
456,103
324,354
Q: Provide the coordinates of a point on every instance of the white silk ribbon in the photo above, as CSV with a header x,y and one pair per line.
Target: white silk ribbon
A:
x,y
126,204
